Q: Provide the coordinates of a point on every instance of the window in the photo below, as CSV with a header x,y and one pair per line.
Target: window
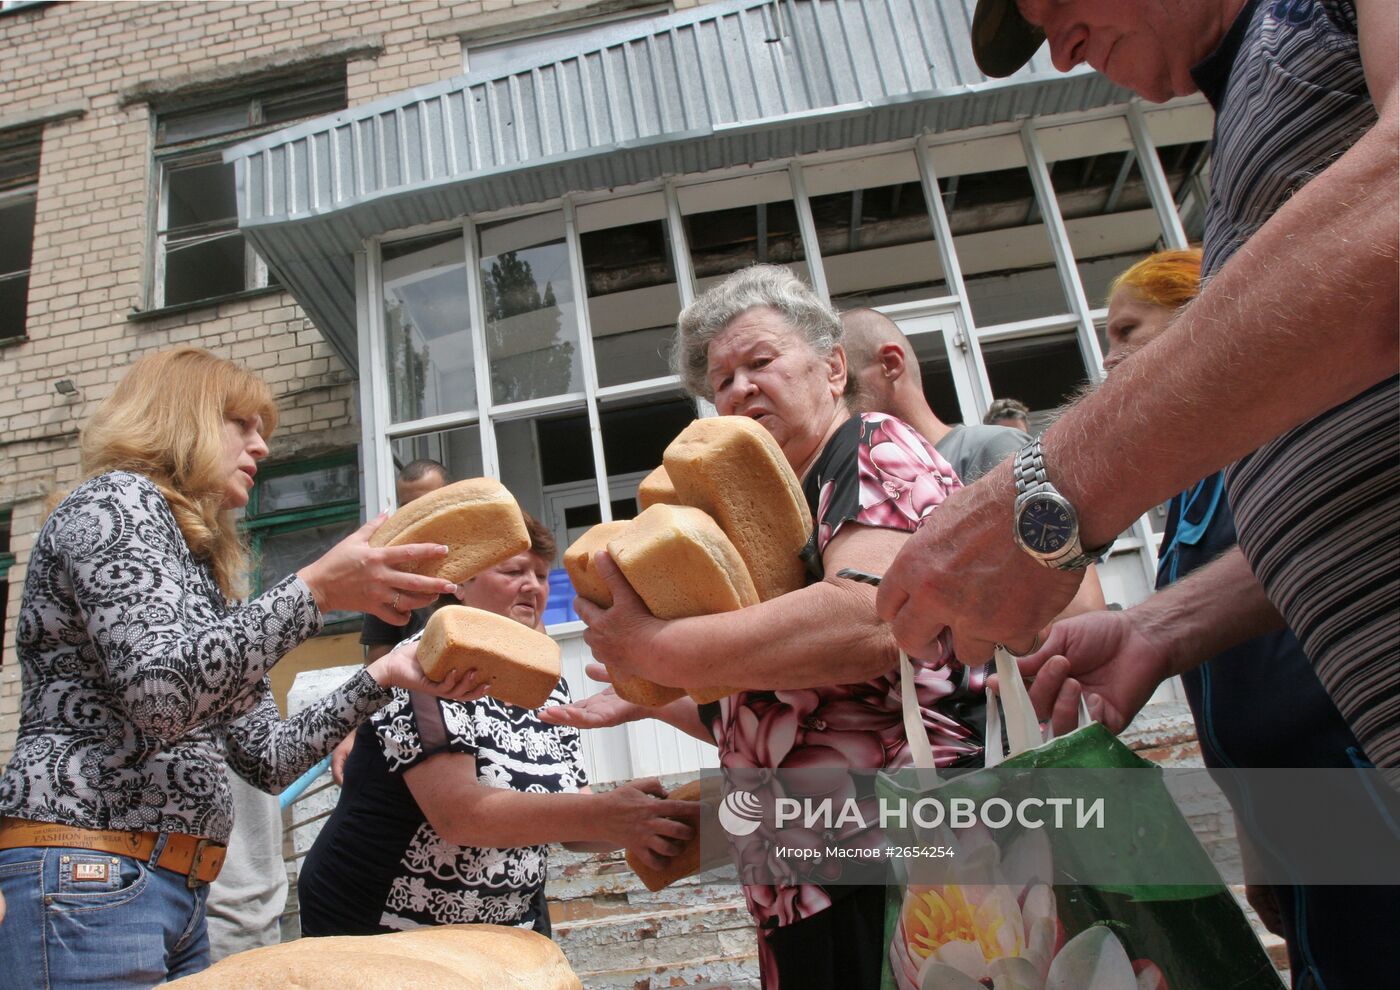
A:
x,y
874,231
1103,200
19,178
733,223
199,252
1044,371
999,235
630,282
297,512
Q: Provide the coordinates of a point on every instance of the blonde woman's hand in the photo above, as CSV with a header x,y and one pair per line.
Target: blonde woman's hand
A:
x,y
400,669
354,576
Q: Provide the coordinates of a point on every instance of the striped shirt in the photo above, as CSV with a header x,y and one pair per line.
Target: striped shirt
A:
x,y
1318,508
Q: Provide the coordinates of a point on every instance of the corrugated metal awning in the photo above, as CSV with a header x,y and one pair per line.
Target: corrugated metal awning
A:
x,y
724,84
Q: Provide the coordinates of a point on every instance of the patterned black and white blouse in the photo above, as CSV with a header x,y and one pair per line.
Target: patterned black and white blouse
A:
x,y
141,682
379,865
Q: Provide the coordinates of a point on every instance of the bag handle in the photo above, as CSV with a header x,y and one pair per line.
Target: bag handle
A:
x,y
1023,730
919,749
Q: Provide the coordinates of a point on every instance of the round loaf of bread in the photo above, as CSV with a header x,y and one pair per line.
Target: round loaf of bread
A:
x,y
477,520
522,664
449,957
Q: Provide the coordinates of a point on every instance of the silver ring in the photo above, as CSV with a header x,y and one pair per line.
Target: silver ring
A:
x,y
395,603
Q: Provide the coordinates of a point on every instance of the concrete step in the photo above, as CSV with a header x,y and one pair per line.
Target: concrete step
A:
x,y
703,946
722,973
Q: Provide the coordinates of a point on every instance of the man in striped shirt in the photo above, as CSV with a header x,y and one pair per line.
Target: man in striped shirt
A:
x,y
1284,369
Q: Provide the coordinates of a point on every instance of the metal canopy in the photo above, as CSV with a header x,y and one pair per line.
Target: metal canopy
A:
x,y
728,83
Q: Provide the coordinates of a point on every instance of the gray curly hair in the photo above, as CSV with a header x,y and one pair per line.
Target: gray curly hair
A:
x,y
758,285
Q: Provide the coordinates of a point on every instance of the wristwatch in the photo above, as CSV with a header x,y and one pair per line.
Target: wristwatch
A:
x,y
1044,522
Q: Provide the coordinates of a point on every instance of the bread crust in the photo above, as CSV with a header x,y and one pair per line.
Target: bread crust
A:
x,y
731,467
578,561
689,860
656,489
681,564
477,519
523,665
447,957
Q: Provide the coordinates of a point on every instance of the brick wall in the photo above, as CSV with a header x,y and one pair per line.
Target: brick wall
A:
x,y
88,65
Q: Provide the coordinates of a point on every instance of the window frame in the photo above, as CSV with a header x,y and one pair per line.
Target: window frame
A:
x,y
171,156
27,153
964,338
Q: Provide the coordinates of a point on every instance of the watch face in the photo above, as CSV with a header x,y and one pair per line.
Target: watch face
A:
x,y
1046,524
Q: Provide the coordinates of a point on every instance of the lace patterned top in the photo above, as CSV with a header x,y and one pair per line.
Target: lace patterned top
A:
x,y
141,682
378,864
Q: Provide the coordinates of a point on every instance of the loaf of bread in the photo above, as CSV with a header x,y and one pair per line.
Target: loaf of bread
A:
x,y
447,957
578,561
656,489
477,520
731,467
689,860
681,564
521,664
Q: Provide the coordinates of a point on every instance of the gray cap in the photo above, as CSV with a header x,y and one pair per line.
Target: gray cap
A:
x,y
1002,40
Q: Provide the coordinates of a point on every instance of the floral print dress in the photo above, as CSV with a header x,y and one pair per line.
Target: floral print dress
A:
x,y
875,471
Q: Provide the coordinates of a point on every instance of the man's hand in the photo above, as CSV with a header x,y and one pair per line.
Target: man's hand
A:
x,y
1108,658
962,570
622,636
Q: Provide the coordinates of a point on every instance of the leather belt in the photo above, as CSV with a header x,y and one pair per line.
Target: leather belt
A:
x,y
196,858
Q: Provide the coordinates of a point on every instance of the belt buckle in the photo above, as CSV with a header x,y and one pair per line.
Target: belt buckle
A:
x,y
192,880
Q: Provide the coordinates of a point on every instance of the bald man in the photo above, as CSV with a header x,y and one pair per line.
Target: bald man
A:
x,y
884,377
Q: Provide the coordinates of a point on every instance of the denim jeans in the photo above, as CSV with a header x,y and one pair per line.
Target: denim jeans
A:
x,y
77,918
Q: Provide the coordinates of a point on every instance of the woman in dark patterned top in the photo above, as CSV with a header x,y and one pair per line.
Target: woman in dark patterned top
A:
x,y
143,677
817,693
447,806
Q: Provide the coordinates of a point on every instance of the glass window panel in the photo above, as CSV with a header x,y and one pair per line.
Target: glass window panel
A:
x,y
998,232
457,450
940,391
204,269
874,231
427,328
531,324
14,299
1044,372
734,223
633,300
547,464
636,434
723,241
1103,200
322,486
284,552
201,194
16,234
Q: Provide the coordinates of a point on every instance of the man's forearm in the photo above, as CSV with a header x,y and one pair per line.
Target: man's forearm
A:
x,y
1302,318
822,634
1207,612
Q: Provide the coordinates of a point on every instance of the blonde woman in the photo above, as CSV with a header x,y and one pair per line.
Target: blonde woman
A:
x,y
144,677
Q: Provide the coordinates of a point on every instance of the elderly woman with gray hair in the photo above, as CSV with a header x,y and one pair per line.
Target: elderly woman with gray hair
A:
x,y
819,671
